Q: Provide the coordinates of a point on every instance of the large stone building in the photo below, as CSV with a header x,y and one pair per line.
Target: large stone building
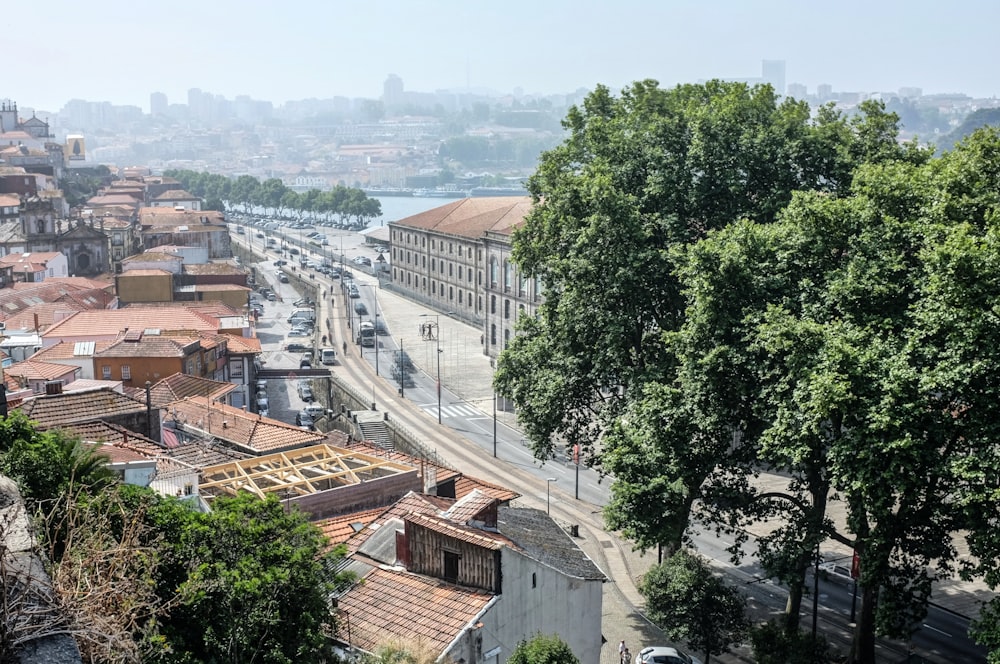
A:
x,y
456,258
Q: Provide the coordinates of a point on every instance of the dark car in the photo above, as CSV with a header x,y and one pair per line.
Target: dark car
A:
x,y
283,279
304,419
360,309
297,348
279,263
294,251
305,364
404,360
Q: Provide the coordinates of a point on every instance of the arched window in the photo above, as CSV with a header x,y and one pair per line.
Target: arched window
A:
x,y
508,275
493,304
494,269
493,335
506,308
506,338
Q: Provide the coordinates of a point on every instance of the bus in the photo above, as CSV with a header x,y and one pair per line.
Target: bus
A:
x,y
366,334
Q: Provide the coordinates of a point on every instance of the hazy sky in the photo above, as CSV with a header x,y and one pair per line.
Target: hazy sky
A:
x,y
121,50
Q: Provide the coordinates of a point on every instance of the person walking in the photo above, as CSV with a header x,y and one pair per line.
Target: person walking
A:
x,y
622,649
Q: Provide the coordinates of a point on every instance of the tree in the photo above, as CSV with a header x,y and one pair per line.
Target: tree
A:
x,y
638,178
543,649
684,598
257,584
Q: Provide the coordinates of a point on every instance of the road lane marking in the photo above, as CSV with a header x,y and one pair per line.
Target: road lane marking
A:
x,y
935,629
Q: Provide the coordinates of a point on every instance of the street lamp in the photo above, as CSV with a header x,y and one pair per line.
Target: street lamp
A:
x,y
493,367
437,336
376,343
548,492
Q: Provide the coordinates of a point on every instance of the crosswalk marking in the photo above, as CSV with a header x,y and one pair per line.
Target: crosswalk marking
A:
x,y
458,410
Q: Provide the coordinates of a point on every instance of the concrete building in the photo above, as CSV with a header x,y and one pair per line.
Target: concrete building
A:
x,y
35,267
35,375
142,356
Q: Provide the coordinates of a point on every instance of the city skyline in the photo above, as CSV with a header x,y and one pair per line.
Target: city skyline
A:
x,y
118,51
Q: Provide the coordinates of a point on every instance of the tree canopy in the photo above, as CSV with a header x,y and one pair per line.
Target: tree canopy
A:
x,y
543,649
733,286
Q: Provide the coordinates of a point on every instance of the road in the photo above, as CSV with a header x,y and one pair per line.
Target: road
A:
x,y
465,439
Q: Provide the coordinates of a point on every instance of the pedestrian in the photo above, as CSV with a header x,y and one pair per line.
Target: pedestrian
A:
x,y
345,347
621,652
626,657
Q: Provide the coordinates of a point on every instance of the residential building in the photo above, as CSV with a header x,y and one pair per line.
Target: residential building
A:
x,y
176,199
61,411
34,267
36,375
77,355
141,356
182,318
469,579
198,228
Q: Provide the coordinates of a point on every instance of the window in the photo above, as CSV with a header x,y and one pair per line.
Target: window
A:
x,y
433,288
522,285
106,372
451,566
432,265
236,369
506,308
534,580
459,251
451,269
493,335
126,372
460,296
508,273
423,262
451,293
493,304
494,269
506,338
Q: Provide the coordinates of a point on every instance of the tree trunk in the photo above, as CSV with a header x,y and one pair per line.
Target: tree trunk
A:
x,y
863,648
793,607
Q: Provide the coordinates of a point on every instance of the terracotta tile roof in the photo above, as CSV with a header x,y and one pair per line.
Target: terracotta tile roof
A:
x,y
472,217
145,273
151,346
34,257
47,312
247,432
69,350
411,503
210,288
113,321
168,216
75,282
116,454
243,345
213,308
116,198
339,529
213,268
9,200
99,431
464,484
470,506
176,195
202,455
36,370
463,533
151,256
180,386
60,410
389,604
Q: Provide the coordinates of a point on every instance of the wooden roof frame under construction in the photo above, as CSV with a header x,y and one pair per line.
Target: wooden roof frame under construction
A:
x,y
298,472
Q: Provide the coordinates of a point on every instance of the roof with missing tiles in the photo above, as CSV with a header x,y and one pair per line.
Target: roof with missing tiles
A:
x,y
60,410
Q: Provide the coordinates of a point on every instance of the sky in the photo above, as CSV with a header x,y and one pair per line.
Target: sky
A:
x,y
122,50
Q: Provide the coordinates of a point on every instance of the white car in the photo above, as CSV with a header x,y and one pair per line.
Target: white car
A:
x,y
664,655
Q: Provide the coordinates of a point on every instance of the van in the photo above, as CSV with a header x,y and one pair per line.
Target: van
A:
x,y
302,315
327,356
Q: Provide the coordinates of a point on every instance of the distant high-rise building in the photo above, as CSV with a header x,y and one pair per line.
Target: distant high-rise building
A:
x,y
392,91
824,92
773,72
797,91
158,104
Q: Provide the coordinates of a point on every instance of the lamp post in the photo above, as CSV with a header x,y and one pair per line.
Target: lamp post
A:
x,y
437,336
361,348
548,492
493,366
376,343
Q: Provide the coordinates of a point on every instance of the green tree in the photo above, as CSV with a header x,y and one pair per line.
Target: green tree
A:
x,y
257,584
543,649
690,603
773,644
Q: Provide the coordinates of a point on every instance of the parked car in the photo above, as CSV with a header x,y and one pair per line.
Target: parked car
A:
x,y
263,412
271,297
283,279
380,328
304,419
664,655
279,263
261,386
261,401
836,573
315,410
299,332
303,302
305,392
305,364
297,348
352,291
360,309
294,251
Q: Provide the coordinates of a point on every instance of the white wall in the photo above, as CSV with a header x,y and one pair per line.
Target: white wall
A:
x,y
557,604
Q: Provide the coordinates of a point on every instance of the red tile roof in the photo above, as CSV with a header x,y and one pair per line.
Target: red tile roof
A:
x,y
180,386
246,431
149,345
398,605
338,529
114,321
60,410
472,217
69,350
35,370
99,431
